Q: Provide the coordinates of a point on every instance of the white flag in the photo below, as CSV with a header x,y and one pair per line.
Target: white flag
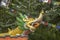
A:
x,y
3,3
46,1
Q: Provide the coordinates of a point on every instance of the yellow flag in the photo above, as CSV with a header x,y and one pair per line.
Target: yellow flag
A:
x,y
53,25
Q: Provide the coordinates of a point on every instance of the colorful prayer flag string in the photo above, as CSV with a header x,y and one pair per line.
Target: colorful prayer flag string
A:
x,y
50,25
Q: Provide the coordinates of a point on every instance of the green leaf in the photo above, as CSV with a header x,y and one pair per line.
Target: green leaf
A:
x,y
21,16
20,20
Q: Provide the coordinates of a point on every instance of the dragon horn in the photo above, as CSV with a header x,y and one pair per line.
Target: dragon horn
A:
x,y
9,29
40,16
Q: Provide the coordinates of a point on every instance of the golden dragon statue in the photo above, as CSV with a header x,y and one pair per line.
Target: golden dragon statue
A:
x,y
30,23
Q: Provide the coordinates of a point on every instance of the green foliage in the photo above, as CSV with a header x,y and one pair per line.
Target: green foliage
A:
x,y
45,33
6,20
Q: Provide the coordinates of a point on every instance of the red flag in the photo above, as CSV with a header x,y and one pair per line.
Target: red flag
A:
x,y
49,1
